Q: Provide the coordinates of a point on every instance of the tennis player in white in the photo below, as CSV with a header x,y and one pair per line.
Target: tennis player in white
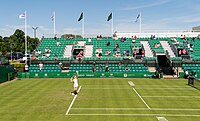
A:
x,y
74,79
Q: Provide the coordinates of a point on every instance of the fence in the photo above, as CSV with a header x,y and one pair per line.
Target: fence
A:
x,y
6,73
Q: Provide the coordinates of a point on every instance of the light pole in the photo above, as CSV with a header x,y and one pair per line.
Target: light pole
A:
x,y
35,29
11,51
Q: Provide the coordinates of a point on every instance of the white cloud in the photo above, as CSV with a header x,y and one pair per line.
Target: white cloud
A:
x,y
157,3
182,19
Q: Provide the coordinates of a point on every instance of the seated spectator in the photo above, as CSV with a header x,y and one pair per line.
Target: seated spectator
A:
x,y
115,36
26,68
134,53
55,57
58,43
120,65
191,45
48,55
143,53
60,65
184,37
153,37
108,43
107,68
114,50
81,52
33,58
37,52
93,67
115,55
40,65
191,50
184,52
135,37
100,37
80,55
156,45
47,50
176,42
100,66
122,39
126,67
100,55
193,38
118,53
127,52
179,53
117,46
107,52
55,37
198,36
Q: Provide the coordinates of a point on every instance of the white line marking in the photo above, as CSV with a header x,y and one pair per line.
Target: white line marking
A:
x,y
106,85
105,88
67,113
156,109
163,88
171,115
173,96
161,119
131,83
142,99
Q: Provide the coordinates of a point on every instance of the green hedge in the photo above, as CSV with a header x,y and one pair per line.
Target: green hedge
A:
x,y
18,65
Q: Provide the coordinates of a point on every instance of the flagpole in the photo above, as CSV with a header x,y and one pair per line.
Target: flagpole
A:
x,y
25,29
140,22
112,26
83,26
54,23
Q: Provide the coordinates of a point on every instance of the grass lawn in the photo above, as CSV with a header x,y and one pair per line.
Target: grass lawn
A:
x,y
99,99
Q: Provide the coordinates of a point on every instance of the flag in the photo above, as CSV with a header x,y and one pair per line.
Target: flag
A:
x,y
22,15
137,18
81,17
52,17
109,17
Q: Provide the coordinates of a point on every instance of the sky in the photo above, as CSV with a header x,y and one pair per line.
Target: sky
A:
x,y
156,16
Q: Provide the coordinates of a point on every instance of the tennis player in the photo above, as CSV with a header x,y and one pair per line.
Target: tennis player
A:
x,y
74,79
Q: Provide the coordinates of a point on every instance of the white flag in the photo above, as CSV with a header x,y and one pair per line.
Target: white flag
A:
x,y
22,15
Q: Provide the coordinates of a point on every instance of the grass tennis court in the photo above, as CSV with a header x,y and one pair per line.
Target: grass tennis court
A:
x,y
99,99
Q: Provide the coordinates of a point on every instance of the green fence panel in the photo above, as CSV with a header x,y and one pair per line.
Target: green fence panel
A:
x,y
86,75
6,73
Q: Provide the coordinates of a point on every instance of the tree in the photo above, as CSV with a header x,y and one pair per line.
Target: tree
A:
x,y
17,42
71,36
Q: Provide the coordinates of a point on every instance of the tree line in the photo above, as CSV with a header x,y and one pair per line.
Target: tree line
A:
x,y
16,43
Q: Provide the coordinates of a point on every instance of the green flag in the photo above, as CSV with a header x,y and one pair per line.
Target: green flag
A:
x,y
109,17
81,17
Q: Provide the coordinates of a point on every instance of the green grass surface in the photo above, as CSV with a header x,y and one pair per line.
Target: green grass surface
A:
x,y
99,100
